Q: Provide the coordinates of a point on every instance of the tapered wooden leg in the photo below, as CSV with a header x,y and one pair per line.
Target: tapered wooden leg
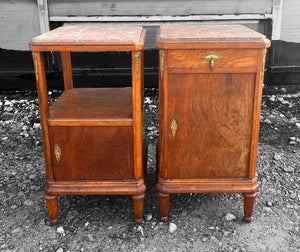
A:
x,y
163,205
52,208
248,206
138,203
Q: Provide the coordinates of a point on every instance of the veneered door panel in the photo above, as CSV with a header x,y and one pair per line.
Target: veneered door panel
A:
x,y
92,153
213,114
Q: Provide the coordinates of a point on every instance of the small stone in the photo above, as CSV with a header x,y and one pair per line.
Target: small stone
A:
x,y
110,227
269,204
272,98
148,217
36,125
211,228
140,229
7,116
267,209
42,222
86,224
194,230
17,230
226,232
289,206
90,237
283,90
156,228
172,227
28,202
293,138
60,230
9,109
289,169
267,121
297,125
4,138
20,194
230,217
184,213
147,100
60,250
277,157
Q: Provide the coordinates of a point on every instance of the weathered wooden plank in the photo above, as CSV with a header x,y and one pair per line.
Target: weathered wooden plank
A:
x,y
290,27
163,7
19,24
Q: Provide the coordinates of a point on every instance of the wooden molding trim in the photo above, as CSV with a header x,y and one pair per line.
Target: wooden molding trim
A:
x,y
94,187
207,185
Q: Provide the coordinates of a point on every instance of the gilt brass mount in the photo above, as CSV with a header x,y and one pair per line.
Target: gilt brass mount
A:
x,y
138,59
57,152
173,127
212,57
161,63
35,65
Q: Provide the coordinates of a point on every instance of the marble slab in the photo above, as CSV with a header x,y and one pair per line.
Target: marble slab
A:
x,y
207,33
91,35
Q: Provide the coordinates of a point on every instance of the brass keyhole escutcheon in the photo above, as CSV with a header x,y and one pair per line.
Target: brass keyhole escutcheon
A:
x,y
173,127
212,57
57,152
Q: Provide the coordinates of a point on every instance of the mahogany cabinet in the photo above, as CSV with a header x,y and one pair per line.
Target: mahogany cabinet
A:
x,y
93,137
210,89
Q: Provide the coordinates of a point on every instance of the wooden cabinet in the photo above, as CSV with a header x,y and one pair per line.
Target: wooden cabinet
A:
x,y
210,92
93,139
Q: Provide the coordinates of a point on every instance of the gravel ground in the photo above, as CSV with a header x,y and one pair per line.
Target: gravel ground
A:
x,y
197,222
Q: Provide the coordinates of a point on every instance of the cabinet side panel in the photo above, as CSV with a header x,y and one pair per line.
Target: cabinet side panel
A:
x,y
213,113
92,153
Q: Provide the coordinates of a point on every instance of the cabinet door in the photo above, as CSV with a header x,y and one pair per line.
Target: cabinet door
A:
x,y
212,121
92,153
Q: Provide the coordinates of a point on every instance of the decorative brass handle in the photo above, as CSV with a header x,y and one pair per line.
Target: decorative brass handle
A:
x,y
57,152
173,127
212,57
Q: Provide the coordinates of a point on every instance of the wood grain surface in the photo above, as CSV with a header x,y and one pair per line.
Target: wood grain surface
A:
x,y
231,58
85,106
214,117
93,136
93,153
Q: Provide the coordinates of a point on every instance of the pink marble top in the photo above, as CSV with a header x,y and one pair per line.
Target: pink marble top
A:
x,y
207,33
92,35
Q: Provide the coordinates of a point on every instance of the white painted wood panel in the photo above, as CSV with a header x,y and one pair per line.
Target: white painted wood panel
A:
x,y
19,23
157,7
290,27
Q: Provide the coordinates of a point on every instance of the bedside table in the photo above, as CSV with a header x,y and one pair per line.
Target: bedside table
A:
x,y
93,137
210,93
